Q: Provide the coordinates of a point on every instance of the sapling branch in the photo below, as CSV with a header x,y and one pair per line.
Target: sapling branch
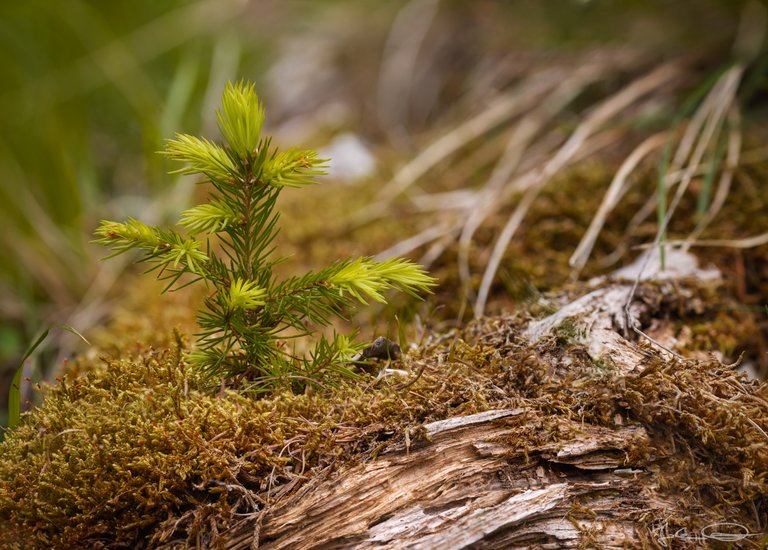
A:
x,y
249,314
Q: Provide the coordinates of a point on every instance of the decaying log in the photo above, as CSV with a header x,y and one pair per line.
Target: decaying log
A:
x,y
472,482
461,489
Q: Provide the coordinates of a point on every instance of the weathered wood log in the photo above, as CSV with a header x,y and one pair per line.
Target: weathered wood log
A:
x,y
468,487
475,482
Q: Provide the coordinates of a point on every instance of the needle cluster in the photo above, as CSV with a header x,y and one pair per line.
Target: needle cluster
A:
x,y
250,315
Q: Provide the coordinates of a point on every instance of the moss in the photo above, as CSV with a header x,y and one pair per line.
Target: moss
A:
x,y
136,451
110,455
604,365
566,332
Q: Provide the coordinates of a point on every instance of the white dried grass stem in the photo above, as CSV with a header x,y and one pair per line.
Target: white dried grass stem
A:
x,y
722,98
609,108
412,243
726,178
523,134
747,242
463,199
616,191
438,247
503,108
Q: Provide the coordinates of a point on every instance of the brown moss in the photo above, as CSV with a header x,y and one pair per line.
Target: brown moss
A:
x,y
135,450
536,260
138,452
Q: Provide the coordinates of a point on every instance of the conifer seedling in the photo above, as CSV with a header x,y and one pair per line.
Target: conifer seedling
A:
x,y
249,316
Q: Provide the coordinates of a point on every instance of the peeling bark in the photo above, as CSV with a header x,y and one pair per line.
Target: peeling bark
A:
x,y
465,489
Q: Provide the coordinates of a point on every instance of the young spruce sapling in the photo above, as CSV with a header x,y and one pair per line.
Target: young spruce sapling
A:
x,y
249,313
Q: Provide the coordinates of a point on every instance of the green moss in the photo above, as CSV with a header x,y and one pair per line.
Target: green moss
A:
x,y
109,455
566,332
605,365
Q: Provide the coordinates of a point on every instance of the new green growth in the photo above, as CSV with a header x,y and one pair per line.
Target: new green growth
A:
x,y
249,316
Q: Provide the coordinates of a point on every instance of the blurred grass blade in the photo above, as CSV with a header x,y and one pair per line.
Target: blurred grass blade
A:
x,y
180,93
661,205
705,193
691,104
14,394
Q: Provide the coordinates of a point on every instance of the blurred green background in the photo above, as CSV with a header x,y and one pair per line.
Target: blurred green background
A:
x,y
90,89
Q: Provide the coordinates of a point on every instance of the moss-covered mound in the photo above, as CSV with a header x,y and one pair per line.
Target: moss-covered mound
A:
x,y
139,453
